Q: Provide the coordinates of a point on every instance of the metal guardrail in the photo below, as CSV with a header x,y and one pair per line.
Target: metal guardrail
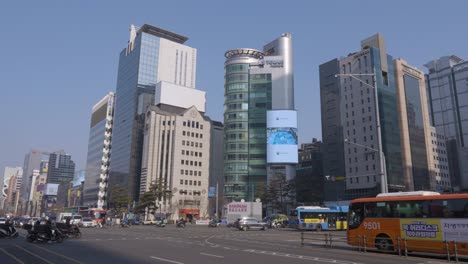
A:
x,y
452,250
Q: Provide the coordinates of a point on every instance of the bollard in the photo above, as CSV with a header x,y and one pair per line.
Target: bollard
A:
x,y
302,238
365,244
406,247
399,246
455,250
448,250
330,239
326,239
359,243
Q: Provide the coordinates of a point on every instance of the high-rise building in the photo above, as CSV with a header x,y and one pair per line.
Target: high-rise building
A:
x,y
440,170
32,161
151,56
176,155
358,124
61,168
99,152
419,155
259,101
447,89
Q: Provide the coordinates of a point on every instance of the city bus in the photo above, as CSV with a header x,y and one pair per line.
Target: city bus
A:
x,y
97,215
420,221
320,218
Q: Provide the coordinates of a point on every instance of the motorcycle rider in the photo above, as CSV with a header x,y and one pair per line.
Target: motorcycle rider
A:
x,y
48,228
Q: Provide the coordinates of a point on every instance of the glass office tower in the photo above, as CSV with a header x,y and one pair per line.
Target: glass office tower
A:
x,y
152,55
256,82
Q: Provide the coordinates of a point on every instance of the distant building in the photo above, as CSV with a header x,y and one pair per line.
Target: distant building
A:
x,y
61,168
151,56
447,89
99,153
309,174
8,186
32,161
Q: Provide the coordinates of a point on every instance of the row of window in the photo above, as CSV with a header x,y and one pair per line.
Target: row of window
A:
x,y
192,153
440,158
437,166
356,169
191,163
192,144
190,192
192,124
356,179
363,129
189,202
440,151
438,143
168,123
192,134
190,172
190,182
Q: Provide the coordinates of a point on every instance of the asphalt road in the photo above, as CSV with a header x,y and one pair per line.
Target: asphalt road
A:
x,y
192,245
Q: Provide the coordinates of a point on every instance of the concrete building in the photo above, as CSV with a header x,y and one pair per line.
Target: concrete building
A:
x,y
99,152
176,153
447,89
354,107
37,201
151,56
258,85
440,172
61,168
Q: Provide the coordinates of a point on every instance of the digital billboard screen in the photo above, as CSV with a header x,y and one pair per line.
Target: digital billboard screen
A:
x,y
282,136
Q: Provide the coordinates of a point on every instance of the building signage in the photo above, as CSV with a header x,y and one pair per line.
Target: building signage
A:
x,y
237,208
212,192
282,136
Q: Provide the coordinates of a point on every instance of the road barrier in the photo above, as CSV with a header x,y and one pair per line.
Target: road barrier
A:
x,y
451,250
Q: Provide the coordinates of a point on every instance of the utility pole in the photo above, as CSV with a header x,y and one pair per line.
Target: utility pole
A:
x,y
217,195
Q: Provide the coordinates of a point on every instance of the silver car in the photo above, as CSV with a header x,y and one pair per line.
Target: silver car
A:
x,y
250,223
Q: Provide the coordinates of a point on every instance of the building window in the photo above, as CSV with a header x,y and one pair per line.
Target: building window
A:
x,y
183,133
183,152
182,172
182,162
183,142
181,181
184,123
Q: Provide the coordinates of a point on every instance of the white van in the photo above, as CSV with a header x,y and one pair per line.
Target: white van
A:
x,y
76,220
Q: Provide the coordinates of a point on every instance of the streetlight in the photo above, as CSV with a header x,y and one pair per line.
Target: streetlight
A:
x,y
383,171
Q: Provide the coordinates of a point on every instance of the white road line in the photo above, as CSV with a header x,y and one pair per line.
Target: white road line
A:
x,y
211,255
12,256
167,260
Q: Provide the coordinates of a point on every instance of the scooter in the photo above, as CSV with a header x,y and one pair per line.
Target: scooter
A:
x,y
39,233
124,223
8,231
160,223
213,223
72,231
180,224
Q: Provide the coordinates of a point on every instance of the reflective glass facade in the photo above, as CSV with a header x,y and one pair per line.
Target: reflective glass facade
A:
x,y
137,76
385,83
236,114
416,133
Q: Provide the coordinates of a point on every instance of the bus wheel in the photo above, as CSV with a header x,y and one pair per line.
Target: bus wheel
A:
x,y
318,228
384,243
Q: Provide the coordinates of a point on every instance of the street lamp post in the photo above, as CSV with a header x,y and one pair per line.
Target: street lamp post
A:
x,y
383,171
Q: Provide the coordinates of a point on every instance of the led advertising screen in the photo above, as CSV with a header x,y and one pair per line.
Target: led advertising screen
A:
x,y
51,189
282,136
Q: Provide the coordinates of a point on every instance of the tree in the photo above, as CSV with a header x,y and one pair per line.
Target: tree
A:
x,y
120,199
158,191
280,192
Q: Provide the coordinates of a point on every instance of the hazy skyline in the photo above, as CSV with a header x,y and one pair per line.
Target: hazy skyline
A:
x,y
59,59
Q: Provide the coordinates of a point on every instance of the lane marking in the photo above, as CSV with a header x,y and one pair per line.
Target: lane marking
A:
x,y
11,256
299,256
58,254
211,255
167,260
34,255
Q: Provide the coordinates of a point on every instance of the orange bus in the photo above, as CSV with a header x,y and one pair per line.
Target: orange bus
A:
x,y
418,221
97,215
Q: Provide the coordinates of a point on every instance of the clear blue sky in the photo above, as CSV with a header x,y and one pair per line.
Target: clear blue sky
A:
x,y
58,58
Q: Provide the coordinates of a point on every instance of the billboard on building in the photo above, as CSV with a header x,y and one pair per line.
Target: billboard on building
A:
x,y
51,189
282,136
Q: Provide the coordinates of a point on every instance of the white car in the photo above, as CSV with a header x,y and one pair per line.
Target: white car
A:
x,y
2,221
88,222
76,220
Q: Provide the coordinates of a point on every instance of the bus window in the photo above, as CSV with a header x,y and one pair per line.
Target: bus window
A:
x,y
355,215
458,208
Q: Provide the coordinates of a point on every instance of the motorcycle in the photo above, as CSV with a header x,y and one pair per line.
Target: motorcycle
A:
x,y
71,231
40,233
124,223
180,224
160,223
7,230
213,223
